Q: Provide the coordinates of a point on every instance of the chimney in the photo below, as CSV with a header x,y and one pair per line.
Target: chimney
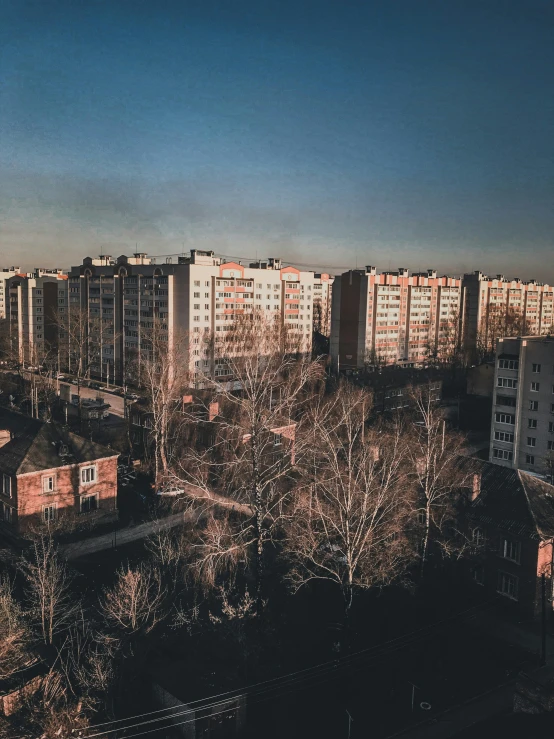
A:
x,y
5,437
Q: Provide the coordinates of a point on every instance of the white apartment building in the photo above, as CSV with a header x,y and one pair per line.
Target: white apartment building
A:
x,y
393,317
522,431
495,307
197,298
33,302
323,295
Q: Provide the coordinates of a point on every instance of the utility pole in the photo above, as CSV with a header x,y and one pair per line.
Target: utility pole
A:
x,y
543,620
350,720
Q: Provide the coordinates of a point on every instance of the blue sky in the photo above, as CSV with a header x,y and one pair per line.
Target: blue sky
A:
x,y
395,132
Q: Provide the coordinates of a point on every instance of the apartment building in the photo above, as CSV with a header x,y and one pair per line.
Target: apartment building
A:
x,y
33,302
5,275
393,317
198,297
495,306
323,295
522,432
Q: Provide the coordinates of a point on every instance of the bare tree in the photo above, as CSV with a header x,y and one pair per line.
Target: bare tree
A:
x,y
256,438
348,524
79,344
434,452
15,635
135,602
52,602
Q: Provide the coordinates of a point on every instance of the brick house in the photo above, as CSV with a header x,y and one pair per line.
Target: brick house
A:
x,y
510,527
49,474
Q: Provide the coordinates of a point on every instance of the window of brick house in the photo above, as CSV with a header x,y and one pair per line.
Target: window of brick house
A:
x,y
511,550
49,513
88,474
88,503
478,537
48,483
478,574
7,485
6,513
508,585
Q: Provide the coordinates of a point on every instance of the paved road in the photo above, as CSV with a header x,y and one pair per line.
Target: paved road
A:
x,y
116,401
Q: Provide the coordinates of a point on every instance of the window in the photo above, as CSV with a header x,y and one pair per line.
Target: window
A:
x,y
6,513
48,484
88,474
196,306
421,517
531,423
502,454
7,485
536,368
551,407
206,295
506,382
512,364
531,441
511,550
533,405
196,295
478,537
551,427
506,400
507,585
550,446
478,575
197,283
206,306
89,503
503,436
277,440
529,459
49,513
535,387
504,418
207,283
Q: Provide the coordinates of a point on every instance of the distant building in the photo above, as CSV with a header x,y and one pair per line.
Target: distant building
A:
x,y
393,317
522,433
34,302
48,474
510,530
198,297
480,380
495,306
5,275
323,296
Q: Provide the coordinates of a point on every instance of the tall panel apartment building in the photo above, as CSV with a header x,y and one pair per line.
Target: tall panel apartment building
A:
x,y
323,295
5,275
197,297
495,307
393,317
522,433
33,302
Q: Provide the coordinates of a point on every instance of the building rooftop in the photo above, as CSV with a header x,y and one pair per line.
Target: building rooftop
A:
x,y
38,445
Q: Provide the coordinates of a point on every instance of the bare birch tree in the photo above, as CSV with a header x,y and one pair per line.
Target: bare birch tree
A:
x,y
256,437
439,479
52,602
348,524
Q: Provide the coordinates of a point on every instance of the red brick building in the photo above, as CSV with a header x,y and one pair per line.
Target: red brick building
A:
x,y
48,474
511,529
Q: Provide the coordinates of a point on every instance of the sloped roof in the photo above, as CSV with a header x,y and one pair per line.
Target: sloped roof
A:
x,y
513,500
35,445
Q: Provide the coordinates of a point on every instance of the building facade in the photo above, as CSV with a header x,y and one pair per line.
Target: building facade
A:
x,y
198,298
393,317
522,430
495,306
34,302
49,474
323,296
5,275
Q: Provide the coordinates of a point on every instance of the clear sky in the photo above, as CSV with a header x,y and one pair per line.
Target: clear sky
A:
x,y
415,133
